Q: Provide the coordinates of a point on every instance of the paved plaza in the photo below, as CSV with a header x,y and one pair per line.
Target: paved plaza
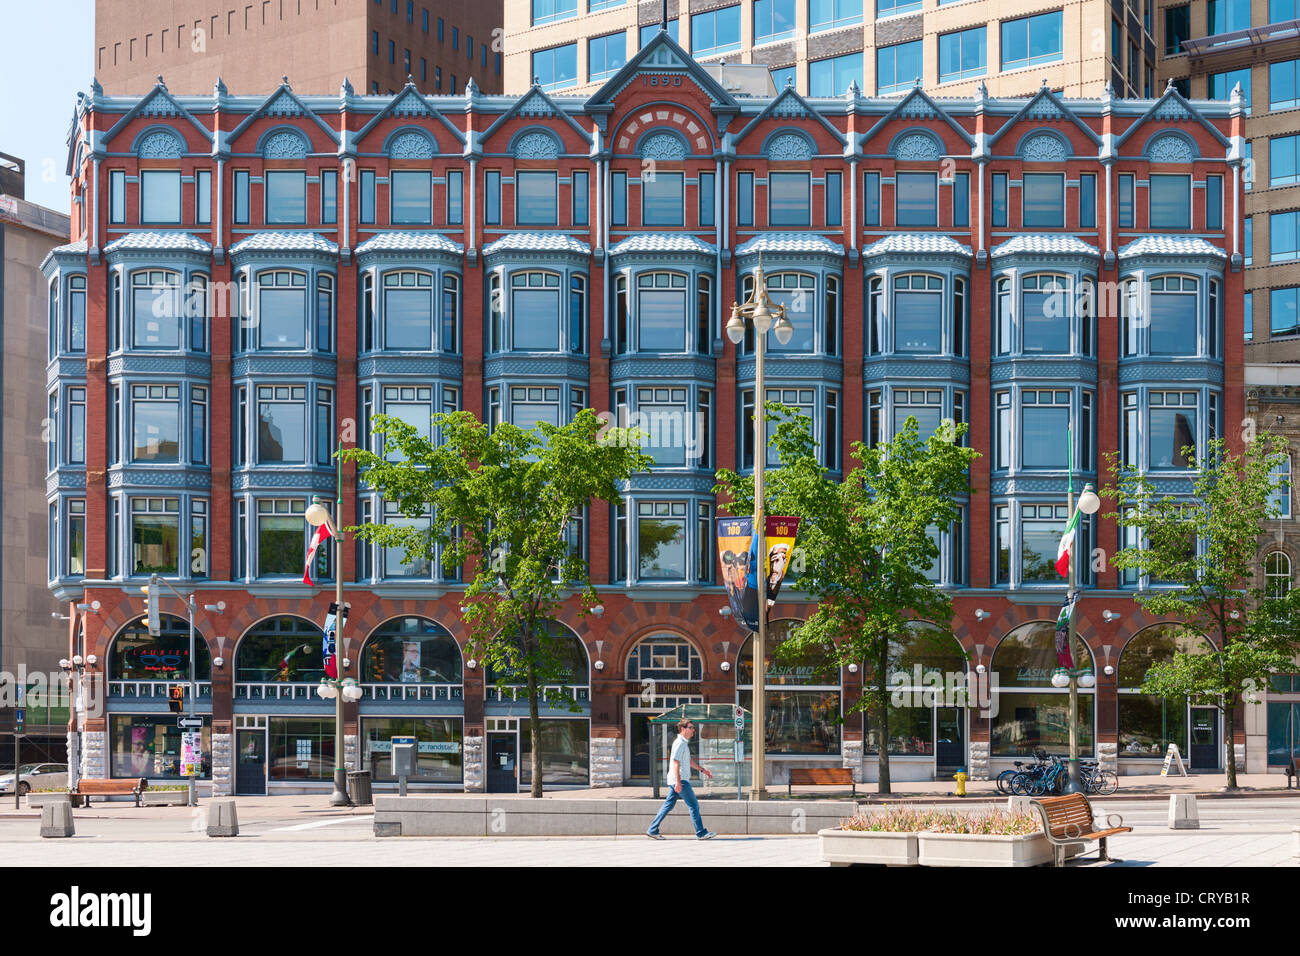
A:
x,y
304,831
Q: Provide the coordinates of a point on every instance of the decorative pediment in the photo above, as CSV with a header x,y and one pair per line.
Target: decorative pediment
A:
x,y
410,144
408,104
284,144
661,54
918,105
283,103
1171,108
788,147
788,104
535,104
1046,107
157,103
535,144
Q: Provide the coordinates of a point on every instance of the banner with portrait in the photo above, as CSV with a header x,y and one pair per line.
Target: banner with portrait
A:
x,y
735,540
738,553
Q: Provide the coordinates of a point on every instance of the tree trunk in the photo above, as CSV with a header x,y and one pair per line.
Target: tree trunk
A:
x,y
882,751
535,733
1230,750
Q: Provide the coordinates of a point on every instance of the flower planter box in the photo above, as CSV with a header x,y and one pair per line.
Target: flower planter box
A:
x,y
968,849
164,798
882,848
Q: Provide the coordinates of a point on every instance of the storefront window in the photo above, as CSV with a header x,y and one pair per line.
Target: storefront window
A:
x,y
411,650
1283,732
1149,724
301,748
284,649
565,752
149,745
1040,717
921,664
437,745
803,699
137,656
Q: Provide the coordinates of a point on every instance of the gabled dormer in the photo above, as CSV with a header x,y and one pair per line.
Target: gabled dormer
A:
x,y
282,103
158,103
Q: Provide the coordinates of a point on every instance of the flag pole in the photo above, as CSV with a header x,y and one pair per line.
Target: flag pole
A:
x,y
1073,784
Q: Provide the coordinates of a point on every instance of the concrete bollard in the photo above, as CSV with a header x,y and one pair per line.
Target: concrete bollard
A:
x,y
222,819
56,819
1182,812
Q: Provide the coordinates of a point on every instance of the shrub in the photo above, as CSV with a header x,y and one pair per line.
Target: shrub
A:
x,y
909,820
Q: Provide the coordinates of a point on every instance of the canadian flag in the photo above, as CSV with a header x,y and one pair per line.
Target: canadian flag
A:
x,y
321,535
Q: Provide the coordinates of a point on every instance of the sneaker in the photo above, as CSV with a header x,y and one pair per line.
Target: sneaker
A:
x,y
707,835
655,836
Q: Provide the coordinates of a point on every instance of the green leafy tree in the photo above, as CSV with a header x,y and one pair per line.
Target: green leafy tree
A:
x,y
1217,590
502,504
866,545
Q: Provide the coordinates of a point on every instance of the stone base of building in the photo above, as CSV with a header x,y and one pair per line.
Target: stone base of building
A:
x,y
474,769
606,762
1108,756
852,756
1239,757
978,765
94,754
223,765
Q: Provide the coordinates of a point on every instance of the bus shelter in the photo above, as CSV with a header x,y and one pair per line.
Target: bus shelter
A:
x,y
722,743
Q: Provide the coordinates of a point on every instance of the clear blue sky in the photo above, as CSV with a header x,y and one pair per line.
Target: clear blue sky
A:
x,y
46,60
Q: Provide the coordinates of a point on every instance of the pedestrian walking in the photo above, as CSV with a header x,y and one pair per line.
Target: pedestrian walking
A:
x,y
679,783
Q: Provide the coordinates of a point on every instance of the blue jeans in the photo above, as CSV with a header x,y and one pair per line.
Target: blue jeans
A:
x,y
688,795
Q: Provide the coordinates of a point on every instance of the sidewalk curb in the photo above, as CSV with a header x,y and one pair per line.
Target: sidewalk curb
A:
x,y
1241,794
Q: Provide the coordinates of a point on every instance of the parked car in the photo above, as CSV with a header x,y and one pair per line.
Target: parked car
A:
x,y
36,776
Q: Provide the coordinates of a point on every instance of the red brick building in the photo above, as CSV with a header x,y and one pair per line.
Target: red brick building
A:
x,y
521,257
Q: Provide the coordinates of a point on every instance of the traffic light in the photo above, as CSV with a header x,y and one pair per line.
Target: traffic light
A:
x,y
176,698
151,605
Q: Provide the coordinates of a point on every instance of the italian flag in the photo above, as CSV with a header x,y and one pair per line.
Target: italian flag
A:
x,y
321,535
1066,547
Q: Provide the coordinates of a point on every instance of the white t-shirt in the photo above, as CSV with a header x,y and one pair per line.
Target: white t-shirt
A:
x,y
682,754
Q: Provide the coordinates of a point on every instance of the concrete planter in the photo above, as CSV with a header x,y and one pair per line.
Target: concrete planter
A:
x,y
45,799
881,848
164,798
969,849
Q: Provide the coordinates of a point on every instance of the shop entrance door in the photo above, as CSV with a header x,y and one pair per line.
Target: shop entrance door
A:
x,y
502,758
640,735
949,740
250,763
1204,752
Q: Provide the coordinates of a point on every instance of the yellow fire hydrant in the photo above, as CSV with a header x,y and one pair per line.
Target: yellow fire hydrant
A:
x,y
960,777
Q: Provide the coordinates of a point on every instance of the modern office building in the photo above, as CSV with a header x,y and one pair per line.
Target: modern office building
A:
x,y
819,46
1207,48
31,641
344,255
373,44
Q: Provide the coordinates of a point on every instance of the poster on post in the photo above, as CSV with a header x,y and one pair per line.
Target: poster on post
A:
x,y
192,753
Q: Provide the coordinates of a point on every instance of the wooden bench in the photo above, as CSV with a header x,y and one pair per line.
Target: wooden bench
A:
x,y
821,776
1068,821
1293,770
89,786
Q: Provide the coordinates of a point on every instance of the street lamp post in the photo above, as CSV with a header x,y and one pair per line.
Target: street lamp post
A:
x,y
151,589
340,688
1089,503
766,316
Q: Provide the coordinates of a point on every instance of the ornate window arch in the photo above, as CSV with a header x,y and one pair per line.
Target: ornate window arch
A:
x,y
535,144
159,143
1032,713
135,655
664,656
663,145
803,700
1171,146
916,145
1148,724
281,649
410,144
411,650
1043,146
284,143
787,146
571,655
